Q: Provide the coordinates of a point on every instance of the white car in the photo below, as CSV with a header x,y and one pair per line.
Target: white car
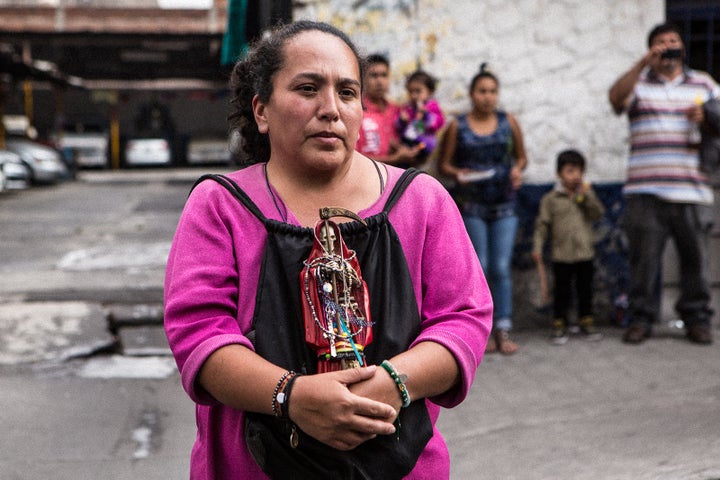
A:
x,y
89,147
208,150
14,174
45,163
148,151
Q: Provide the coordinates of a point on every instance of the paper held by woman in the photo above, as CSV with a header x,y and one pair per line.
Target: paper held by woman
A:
x,y
477,175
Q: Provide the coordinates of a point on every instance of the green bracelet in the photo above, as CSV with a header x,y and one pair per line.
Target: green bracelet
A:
x,y
399,381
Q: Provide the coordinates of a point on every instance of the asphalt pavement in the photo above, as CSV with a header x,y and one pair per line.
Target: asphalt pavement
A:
x,y
88,390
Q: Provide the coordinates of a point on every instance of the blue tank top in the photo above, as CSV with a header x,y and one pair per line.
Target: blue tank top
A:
x,y
485,152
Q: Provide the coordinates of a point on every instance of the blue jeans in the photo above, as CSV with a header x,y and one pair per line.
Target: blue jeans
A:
x,y
494,241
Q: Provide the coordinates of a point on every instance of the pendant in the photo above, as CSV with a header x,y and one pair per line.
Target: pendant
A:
x,y
294,437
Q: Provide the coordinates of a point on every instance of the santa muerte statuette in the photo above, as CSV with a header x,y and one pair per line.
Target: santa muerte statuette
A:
x,y
336,308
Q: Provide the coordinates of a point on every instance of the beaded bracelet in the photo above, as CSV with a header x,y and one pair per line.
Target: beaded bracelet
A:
x,y
283,398
399,381
278,386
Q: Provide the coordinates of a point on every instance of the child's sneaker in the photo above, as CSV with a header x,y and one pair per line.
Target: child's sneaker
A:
x,y
588,331
559,335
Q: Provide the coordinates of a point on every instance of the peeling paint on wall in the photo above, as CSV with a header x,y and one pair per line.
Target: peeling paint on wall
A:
x,y
555,60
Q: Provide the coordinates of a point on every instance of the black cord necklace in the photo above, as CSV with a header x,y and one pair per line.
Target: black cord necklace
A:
x,y
272,195
275,201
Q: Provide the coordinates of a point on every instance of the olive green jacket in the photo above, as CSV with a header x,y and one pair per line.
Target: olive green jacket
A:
x,y
568,222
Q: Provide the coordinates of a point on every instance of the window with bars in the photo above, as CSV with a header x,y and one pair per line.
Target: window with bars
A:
x,y
699,22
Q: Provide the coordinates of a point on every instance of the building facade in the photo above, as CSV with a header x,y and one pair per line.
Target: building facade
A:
x,y
555,60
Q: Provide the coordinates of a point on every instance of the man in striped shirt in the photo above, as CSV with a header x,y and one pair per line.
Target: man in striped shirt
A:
x,y
666,193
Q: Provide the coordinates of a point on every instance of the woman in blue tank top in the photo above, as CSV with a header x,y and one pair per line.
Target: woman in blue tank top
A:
x,y
483,152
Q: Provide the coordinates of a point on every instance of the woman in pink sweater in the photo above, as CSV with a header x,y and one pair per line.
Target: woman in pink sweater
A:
x,y
233,303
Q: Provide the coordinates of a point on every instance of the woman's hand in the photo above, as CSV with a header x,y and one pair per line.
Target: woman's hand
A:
x,y
380,387
516,177
325,407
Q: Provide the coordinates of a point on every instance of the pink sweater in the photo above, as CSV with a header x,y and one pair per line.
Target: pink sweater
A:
x,y
211,284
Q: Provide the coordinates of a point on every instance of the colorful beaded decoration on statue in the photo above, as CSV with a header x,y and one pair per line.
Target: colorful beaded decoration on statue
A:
x,y
336,308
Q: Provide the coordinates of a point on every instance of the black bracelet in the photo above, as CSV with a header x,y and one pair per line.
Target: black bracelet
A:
x,y
278,386
284,396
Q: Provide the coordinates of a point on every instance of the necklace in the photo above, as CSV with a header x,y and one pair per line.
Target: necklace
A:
x,y
277,205
272,195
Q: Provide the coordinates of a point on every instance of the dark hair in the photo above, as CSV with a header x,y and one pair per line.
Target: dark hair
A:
x,y
423,77
484,72
254,75
666,27
570,157
374,58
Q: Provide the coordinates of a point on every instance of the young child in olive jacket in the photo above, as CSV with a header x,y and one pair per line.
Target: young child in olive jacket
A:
x,y
566,218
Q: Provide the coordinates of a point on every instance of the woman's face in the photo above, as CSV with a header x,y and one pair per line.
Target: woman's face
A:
x,y
314,113
484,95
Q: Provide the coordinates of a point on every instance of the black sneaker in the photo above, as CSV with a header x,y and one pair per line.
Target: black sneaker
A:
x,y
588,331
559,335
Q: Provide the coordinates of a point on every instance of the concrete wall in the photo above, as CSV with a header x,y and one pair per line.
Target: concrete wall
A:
x,y
555,59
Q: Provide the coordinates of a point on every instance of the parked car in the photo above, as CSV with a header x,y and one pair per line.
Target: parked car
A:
x,y
88,145
148,152
45,163
208,150
14,174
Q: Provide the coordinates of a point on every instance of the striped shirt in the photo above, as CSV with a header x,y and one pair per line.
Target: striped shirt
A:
x,y
663,154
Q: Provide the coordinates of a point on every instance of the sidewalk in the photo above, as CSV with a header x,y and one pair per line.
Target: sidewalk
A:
x,y
582,411
591,410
